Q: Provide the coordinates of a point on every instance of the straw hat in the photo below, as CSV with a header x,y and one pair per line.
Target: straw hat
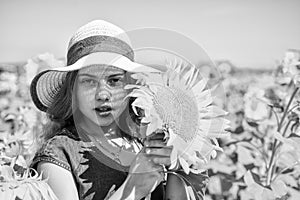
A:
x,y
98,42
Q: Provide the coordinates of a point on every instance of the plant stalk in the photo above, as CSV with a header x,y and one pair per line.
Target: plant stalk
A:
x,y
271,163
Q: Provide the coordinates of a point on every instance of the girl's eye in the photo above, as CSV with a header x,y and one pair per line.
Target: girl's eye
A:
x,y
89,82
115,81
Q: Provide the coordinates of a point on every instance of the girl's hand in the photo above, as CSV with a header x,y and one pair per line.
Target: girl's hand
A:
x,y
147,169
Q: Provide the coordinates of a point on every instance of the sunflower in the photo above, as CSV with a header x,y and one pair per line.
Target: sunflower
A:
x,y
177,100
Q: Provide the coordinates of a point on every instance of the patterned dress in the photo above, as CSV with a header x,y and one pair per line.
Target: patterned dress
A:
x,y
94,173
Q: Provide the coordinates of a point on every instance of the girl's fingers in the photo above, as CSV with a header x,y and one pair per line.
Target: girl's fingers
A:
x,y
154,143
159,156
157,165
157,139
157,135
162,161
164,152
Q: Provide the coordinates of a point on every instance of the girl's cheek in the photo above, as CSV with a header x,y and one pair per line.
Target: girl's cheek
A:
x,y
119,94
87,90
118,97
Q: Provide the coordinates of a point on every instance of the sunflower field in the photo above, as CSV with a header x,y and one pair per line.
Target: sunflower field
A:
x,y
260,159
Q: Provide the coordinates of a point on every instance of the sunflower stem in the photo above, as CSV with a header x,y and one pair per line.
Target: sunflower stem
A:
x,y
271,163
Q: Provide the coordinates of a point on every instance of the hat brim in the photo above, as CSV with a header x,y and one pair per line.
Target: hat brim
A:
x,y
110,59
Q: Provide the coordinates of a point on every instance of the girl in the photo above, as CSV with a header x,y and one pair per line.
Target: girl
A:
x,y
93,148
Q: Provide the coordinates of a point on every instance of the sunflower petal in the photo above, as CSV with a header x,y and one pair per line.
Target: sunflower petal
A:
x,y
174,153
191,193
212,111
199,87
214,127
184,165
152,127
188,76
141,92
194,78
131,86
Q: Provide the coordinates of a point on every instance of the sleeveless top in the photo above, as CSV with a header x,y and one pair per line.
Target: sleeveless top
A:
x,y
94,173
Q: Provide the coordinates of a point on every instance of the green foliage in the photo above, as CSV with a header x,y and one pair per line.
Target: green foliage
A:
x,y
19,182
262,158
20,135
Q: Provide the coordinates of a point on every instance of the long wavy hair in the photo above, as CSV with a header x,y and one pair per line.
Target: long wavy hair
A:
x,y
60,113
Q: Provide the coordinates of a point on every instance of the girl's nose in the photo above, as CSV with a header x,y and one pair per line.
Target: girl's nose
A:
x,y
103,96
102,93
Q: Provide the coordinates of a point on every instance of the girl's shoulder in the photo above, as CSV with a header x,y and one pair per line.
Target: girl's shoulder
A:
x,y
69,132
62,149
63,139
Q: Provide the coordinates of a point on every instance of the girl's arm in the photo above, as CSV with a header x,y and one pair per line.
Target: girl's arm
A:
x,y
146,170
175,189
60,180
145,174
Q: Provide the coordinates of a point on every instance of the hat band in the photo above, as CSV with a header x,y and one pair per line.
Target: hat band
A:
x,y
98,44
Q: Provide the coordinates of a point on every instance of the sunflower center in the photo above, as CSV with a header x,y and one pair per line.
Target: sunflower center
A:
x,y
178,110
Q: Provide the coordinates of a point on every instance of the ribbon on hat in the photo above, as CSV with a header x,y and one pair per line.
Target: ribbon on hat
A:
x,y
99,43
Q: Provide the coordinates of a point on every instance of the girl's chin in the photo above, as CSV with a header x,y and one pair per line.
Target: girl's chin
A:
x,y
104,120
98,119
95,121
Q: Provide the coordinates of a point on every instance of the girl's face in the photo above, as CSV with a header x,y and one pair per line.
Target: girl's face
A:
x,y
100,94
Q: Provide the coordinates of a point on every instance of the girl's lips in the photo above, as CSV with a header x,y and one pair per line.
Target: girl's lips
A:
x,y
104,114
103,110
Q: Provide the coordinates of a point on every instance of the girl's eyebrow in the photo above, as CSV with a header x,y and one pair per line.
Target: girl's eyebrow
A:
x,y
113,75
89,75
94,76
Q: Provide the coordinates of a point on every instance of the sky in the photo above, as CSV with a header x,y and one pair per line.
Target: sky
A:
x,y
248,33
